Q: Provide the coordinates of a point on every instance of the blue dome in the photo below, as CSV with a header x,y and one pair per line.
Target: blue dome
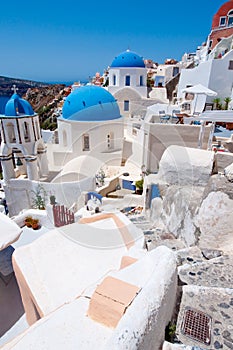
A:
x,y
90,103
17,106
128,59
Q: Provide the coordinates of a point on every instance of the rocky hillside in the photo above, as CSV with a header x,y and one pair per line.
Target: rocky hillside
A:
x,y
46,102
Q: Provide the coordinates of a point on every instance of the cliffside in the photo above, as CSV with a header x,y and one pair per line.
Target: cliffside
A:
x,y
47,102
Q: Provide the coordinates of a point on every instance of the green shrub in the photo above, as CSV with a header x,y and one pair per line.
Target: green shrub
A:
x,y
139,184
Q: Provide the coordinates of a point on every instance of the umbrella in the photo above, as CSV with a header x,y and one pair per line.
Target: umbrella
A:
x,y
199,90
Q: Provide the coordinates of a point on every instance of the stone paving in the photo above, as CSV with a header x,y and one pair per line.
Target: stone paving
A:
x,y
216,272
155,237
206,279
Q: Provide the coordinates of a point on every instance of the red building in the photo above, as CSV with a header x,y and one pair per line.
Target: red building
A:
x,y
222,25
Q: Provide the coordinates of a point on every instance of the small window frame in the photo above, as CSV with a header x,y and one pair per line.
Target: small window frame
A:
x,y
221,19
127,80
126,105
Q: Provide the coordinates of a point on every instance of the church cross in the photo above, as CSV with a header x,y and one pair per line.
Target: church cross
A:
x,y
14,88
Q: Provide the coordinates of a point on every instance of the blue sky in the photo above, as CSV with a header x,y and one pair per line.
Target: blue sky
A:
x,y
69,41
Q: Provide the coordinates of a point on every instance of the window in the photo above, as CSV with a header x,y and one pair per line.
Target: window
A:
x,y
211,42
185,106
175,71
141,80
86,143
222,21
230,67
189,96
26,132
126,105
114,79
230,18
127,80
11,132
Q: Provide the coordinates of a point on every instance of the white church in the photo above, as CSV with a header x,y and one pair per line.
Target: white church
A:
x,y
22,145
128,84
90,134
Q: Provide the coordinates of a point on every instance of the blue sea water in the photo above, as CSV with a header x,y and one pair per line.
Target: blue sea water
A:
x,y
3,101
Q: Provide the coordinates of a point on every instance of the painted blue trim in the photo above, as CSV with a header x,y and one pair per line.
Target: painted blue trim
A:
x,y
155,191
94,194
127,184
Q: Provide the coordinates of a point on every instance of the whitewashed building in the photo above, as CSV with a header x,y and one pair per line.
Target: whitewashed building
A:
x,y
128,84
90,125
90,134
23,151
213,60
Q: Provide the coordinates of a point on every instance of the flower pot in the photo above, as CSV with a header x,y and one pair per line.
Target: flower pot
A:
x,y
35,224
28,221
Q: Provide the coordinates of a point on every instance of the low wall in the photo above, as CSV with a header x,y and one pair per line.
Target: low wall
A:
x,y
19,193
161,136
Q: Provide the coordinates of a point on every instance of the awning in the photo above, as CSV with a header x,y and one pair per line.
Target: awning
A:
x,y
216,116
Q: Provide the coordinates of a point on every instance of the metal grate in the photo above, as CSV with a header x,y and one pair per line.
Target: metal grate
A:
x,y
197,326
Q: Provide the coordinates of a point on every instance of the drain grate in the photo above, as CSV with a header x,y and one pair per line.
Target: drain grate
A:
x,y
197,326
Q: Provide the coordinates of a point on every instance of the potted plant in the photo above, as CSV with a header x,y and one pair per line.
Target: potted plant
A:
x,y
139,186
28,221
35,224
39,199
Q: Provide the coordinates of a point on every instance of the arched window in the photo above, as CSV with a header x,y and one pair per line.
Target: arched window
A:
x,y
11,132
230,18
127,80
26,132
86,142
64,137
114,79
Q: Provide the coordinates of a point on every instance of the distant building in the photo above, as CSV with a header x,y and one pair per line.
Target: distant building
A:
x,y
213,63
222,24
128,84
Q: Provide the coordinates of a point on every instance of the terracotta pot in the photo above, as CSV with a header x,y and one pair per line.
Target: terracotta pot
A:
x,y
35,226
